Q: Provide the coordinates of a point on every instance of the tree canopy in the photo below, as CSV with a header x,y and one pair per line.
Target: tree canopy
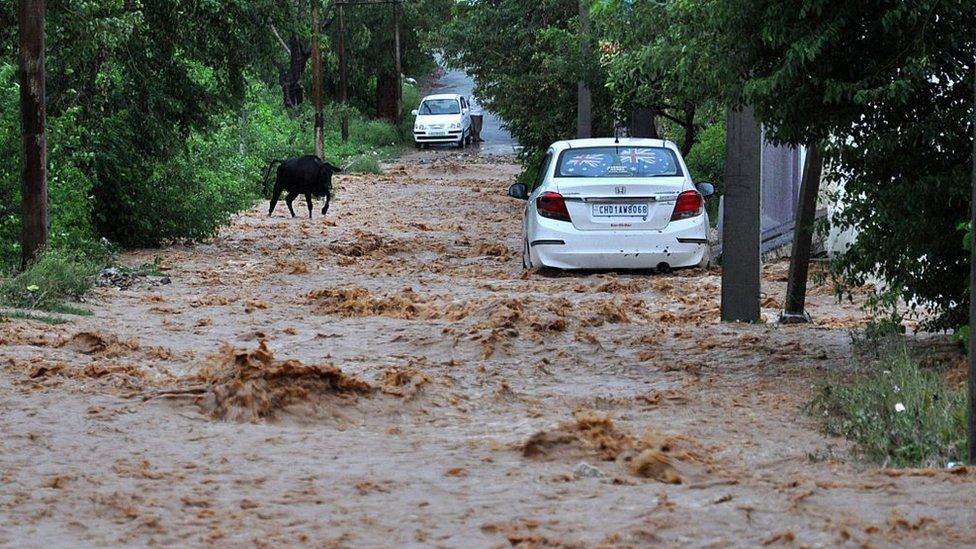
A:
x,y
887,88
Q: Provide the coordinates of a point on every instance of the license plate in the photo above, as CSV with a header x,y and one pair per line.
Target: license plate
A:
x,y
620,210
438,133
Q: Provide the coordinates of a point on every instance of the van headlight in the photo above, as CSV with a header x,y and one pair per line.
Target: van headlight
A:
x,y
419,127
455,126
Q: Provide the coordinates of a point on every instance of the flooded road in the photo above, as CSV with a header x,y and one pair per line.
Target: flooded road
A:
x,y
390,376
497,139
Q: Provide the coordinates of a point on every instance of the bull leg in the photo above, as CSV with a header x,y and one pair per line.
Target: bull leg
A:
x,y
274,197
289,198
308,200
328,199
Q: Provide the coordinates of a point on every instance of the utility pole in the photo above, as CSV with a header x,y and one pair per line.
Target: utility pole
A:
x,y
972,302
584,99
397,7
343,84
806,213
740,250
317,80
33,115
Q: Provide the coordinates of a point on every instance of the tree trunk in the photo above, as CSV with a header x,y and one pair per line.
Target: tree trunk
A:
x,y
690,131
643,123
584,97
806,213
292,77
343,78
386,96
317,83
30,16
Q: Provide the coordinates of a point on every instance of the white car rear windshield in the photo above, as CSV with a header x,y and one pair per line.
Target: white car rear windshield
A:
x,y
440,106
618,161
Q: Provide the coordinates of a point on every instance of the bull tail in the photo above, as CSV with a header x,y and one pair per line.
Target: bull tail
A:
x,y
267,172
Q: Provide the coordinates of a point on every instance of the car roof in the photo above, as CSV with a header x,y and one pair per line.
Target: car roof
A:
x,y
442,96
560,146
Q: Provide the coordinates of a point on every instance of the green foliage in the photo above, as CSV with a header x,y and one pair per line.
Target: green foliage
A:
x,y
159,128
886,88
369,47
706,161
653,53
367,163
930,431
26,315
525,58
55,277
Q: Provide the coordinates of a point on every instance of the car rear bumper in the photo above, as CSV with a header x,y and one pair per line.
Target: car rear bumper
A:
x,y
681,244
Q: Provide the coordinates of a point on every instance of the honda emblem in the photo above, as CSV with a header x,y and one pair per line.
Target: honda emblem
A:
x,y
620,190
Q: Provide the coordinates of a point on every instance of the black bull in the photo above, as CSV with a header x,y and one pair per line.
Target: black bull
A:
x,y
307,175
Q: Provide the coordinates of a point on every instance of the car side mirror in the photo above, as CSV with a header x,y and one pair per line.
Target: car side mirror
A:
x,y
414,112
705,188
519,190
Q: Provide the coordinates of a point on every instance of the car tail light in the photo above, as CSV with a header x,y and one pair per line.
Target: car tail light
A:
x,y
689,204
552,205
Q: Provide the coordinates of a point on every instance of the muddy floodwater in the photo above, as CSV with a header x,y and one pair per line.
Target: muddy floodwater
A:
x,y
389,376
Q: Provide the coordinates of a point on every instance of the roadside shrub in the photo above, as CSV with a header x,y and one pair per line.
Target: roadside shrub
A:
x,y
55,277
706,161
366,163
9,167
897,412
107,179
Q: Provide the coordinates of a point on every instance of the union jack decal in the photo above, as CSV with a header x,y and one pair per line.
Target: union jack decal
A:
x,y
633,156
587,160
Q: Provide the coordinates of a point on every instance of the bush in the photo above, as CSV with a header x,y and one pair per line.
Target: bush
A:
x,y
55,277
706,161
897,412
366,163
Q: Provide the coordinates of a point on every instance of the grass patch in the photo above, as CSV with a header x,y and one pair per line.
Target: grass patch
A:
x,y
24,315
54,278
897,412
150,268
366,163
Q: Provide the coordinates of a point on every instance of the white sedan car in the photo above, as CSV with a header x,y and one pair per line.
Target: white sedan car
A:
x,y
442,119
609,203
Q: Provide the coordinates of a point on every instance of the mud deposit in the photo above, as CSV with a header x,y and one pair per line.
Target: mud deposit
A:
x,y
390,376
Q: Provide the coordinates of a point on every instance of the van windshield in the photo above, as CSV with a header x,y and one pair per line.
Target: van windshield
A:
x,y
440,106
618,162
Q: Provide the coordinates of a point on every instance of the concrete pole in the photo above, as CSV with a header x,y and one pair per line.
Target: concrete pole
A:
x,y
584,99
33,113
741,260
317,80
806,213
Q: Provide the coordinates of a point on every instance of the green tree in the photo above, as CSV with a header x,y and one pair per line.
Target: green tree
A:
x,y
525,58
886,87
653,60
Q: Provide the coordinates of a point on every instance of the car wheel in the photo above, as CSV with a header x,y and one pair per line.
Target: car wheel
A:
x,y
706,261
416,144
460,143
526,258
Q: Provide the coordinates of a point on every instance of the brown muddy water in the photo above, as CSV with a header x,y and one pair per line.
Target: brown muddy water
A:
x,y
389,376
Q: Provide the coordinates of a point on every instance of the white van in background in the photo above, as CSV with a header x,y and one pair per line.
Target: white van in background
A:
x,y
442,119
